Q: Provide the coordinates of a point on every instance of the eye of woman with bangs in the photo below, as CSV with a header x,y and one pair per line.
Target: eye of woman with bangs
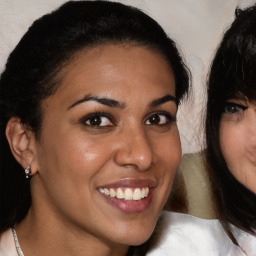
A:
x,y
231,108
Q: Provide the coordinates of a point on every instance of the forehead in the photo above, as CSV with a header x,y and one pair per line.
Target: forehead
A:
x,y
117,71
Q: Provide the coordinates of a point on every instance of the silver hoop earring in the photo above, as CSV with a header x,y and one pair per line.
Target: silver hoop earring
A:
x,y
27,172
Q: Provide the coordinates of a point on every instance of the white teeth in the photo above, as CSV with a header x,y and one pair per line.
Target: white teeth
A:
x,y
126,193
146,191
119,193
143,193
112,192
106,191
137,194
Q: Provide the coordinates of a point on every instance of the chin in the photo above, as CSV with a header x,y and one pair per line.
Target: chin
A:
x,y
137,237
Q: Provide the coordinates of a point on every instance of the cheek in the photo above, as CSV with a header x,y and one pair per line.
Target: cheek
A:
x,y
69,170
233,145
86,155
230,140
170,155
172,148
72,156
169,152
227,143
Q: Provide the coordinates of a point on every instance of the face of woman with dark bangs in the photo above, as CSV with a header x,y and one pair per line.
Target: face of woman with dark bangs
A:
x,y
109,145
238,140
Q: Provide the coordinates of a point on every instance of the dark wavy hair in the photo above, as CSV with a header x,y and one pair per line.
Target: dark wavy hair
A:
x,y
31,74
232,75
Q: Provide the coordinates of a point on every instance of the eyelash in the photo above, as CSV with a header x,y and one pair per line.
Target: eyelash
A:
x,y
89,118
236,108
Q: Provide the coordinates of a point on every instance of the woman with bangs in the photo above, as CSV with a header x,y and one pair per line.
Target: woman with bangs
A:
x,y
231,130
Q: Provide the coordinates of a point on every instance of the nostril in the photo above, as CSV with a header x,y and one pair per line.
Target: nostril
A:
x,y
134,151
134,160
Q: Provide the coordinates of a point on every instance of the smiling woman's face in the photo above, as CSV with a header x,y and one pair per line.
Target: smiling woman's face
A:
x,y
109,145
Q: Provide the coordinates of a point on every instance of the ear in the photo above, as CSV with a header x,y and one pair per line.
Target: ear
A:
x,y
22,143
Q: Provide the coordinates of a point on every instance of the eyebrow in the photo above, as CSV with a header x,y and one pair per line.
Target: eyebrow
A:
x,y
105,101
116,104
163,100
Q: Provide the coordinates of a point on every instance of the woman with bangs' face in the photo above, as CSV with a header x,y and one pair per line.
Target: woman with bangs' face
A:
x,y
238,121
89,140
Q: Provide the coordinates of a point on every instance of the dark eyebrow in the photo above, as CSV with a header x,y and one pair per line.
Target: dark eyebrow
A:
x,y
163,100
105,101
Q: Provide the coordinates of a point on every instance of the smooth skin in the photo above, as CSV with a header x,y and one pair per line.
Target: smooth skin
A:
x,y
112,119
238,141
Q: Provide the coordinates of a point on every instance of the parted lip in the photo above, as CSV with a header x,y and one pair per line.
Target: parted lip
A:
x,y
131,183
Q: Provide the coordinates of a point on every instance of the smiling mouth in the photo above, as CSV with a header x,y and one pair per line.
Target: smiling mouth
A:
x,y
126,194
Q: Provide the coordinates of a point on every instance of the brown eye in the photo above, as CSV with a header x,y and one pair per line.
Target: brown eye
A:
x,y
154,119
159,119
97,120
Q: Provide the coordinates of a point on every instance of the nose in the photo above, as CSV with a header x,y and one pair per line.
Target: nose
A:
x,y
134,149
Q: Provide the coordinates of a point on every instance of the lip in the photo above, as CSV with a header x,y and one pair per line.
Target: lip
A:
x,y
130,206
131,183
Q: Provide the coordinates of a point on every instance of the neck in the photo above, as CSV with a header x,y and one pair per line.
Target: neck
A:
x,y
43,236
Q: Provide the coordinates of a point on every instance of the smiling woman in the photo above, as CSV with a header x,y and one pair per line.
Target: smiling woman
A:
x,y
88,104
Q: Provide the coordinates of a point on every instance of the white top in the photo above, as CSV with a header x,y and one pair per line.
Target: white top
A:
x,y
180,235
7,244
186,235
